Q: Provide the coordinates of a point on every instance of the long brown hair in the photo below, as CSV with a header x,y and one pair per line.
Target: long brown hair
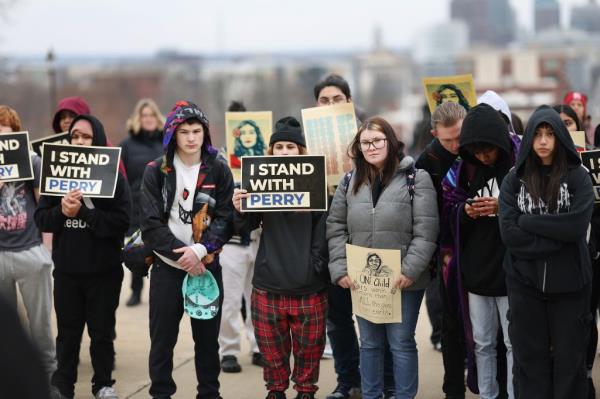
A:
x,y
366,172
549,190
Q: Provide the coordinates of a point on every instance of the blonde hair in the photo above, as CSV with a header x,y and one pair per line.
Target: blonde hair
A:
x,y
9,117
133,123
447,115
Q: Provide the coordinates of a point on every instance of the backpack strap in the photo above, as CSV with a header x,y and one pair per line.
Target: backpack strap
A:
x,y
410,180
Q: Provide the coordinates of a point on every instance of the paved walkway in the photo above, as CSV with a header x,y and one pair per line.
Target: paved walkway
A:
x,y
133,343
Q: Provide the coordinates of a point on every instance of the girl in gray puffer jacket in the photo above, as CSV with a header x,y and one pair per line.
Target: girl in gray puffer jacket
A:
x,y
377,207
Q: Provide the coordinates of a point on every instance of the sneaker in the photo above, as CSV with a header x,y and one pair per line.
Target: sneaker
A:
x,y
276,395
134,300
345,392
55,393
229,364
305,395
258,360
107,393
389,394
437,347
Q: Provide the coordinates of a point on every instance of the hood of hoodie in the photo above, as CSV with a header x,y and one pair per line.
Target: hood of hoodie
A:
x,y
99,139
77,105
494,100
483,124
546,114
181,112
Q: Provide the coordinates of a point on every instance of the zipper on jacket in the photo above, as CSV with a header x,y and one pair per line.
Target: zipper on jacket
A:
x,y
544,282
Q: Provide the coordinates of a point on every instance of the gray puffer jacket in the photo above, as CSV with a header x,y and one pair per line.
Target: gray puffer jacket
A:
x,y
394,223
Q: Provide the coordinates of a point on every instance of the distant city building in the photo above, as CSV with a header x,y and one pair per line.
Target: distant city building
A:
x,y
586,17
490,22
546,15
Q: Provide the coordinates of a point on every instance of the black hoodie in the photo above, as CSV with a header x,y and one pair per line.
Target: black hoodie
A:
x,y
482,249
548,251
92,241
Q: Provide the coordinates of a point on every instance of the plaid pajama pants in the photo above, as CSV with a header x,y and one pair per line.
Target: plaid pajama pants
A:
x,y
283,323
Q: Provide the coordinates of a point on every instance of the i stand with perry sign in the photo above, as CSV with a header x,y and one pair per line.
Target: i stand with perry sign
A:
x,y
15,160
93,170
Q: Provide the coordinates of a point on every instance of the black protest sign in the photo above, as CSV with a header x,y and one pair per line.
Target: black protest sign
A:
x,y
59,138
280,183
591,160
15,160
93,170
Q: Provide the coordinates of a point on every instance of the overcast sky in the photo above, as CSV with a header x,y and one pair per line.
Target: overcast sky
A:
x,y
141,27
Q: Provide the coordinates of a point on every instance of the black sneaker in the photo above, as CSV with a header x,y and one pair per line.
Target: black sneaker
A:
x,y
305,395
258,360
229,364
389,394
276,395
134,300
343,391
56,394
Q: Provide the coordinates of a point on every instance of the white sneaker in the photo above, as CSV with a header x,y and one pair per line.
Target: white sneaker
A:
x,y
107,393
327,353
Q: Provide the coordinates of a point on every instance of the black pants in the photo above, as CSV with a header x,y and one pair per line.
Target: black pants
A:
x,y
549,335
81,300
434,310
137,283
166,310
453,347
344,342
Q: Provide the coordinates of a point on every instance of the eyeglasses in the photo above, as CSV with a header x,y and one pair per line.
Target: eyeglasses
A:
x,y
376,143
331,101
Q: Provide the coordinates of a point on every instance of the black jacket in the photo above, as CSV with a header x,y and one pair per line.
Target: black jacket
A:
x,y
92,241
482,249
548,251
157,197
136,152
292,254
436,160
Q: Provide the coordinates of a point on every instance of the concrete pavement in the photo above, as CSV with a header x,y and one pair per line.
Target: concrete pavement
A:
x,y
133,343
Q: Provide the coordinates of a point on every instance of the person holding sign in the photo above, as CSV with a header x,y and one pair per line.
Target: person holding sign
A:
x,y
86,248
24,261
385,203
289,301
546,204
186,219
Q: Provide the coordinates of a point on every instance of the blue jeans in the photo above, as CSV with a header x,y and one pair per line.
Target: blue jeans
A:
x,y
401,339
484,312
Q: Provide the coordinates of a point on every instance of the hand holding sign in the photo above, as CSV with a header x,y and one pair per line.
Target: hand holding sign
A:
x,y
346,282
238,195
71,203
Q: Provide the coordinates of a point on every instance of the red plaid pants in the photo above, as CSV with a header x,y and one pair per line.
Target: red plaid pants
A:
x,y
283,323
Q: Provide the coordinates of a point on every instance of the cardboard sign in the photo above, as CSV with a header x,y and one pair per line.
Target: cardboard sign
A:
x,y
247,134
459,89
374,272
284,183
591,160
93,170
578,140
15,160
329,131
58,138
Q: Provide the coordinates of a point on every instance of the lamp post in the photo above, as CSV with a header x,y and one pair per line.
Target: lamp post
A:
x,y
51,80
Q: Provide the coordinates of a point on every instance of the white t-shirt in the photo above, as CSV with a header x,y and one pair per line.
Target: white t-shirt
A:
x,y
180,217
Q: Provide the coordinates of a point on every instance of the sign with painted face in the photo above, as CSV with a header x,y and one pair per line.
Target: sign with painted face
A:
x,y
284,183
374,273
591,160
93,170
329,131
15,160
442,89
58,138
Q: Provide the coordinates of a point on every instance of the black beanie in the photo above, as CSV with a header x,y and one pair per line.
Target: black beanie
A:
x,y
288,129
